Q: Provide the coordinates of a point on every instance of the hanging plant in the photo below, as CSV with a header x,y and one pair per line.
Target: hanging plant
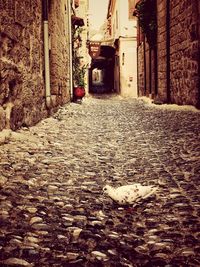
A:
x,y
145,11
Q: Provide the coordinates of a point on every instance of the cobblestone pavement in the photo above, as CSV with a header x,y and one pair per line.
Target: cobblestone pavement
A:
x,y
53,212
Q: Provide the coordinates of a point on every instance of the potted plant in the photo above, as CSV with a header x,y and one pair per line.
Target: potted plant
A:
x,y
78,66
79,81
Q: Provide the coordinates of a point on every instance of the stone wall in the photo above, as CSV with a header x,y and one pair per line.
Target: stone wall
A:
x,y
181,85
153,73
22,94
141,80
149,77
161,50
184,49
59,53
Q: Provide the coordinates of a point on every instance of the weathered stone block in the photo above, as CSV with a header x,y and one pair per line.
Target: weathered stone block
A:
x,y
2,119
16,117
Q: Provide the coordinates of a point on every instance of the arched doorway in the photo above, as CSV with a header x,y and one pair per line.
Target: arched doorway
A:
x,y
101,73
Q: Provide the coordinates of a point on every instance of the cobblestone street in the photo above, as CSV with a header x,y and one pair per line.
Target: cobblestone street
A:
x,y
53,212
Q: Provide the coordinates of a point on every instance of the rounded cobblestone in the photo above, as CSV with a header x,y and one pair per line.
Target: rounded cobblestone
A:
x,y
53,211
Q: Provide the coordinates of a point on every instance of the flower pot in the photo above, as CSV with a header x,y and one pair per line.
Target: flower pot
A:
x,y
79,92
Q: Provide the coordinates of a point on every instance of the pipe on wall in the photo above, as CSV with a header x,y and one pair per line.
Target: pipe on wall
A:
x,y
145,66
70,48
46,53
168,50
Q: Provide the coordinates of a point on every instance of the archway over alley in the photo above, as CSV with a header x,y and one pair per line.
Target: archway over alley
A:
x,y
101,72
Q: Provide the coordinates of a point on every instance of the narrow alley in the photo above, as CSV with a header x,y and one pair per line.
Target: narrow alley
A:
x,y
53,211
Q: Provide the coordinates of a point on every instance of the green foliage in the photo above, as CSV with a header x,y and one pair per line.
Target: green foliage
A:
x,y
145,10
79,69
79,75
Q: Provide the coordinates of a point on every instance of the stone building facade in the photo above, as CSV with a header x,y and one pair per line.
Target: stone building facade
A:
x,y
22,68
121,28
169,71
